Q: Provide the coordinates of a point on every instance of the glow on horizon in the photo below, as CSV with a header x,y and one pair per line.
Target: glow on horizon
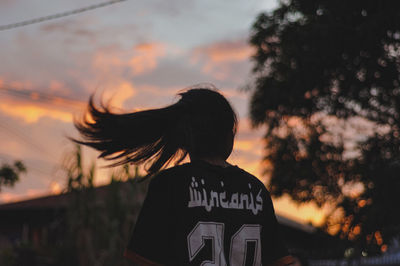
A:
x,y
243,146
136,60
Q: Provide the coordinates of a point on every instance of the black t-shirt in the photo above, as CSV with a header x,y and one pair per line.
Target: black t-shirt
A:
x,y
202,214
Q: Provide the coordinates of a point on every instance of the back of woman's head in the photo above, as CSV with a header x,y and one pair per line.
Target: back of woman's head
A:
x,y
202,124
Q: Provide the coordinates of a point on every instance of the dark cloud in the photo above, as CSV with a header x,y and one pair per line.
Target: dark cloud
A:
x,y
226,60
70,27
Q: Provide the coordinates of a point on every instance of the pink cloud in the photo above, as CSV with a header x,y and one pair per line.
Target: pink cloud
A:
x,y
23,100
228,51
145,57
31,113
140,59
122,91
219,59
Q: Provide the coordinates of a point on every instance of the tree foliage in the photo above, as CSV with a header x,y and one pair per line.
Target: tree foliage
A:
x,y
98,224
92,228
9,174
321,69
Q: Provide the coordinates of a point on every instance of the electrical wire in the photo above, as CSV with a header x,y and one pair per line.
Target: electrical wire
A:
x,y
23,137
39,96
57,15
43,97
4,158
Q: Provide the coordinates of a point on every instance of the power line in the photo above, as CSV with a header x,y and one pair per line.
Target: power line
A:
x,y
40,96
7,157
43,97
57,15
23,137
35,96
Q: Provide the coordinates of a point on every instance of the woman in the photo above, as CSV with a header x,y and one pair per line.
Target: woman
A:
x,y
206,212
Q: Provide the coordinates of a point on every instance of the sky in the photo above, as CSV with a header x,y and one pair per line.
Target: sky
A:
x,y
137,55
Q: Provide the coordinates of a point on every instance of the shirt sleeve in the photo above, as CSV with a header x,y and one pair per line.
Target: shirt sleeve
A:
x,y
150,239
272,242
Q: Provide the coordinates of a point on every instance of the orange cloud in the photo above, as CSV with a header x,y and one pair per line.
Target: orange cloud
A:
x,y
218,57
31,112
120,93
145,57
21,99
228,51
110,65
142,58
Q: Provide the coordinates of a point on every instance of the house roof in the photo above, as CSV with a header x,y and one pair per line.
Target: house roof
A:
x,y
61,201
46,202
51,201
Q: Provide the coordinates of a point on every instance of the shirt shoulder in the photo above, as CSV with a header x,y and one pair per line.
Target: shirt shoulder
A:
x,y
172,174
251,178
177,169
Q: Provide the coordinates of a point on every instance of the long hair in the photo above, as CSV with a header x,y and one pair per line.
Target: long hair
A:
x,y
202,124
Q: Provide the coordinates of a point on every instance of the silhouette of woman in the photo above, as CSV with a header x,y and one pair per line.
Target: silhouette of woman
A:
x,y
206,212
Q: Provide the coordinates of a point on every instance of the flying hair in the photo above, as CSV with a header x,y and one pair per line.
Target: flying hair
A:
x,y
201,123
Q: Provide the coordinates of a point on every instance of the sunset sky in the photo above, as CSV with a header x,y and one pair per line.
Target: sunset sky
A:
x,y
139,54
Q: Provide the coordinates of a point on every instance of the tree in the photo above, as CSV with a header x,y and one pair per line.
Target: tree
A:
x,y
321,68
98,223
9,174
94,226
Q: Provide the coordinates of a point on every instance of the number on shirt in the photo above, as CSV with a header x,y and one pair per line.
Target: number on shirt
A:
x,y
239,243
202,231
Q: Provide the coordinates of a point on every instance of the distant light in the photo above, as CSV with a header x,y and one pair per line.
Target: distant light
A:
x,y
364,253
55,188
349,252
364,13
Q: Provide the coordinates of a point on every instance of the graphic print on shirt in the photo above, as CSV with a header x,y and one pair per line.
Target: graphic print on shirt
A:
x,y
200,197
241,241
196,241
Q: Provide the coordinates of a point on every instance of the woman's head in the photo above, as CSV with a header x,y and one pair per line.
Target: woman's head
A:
x,y
202,124
209,123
